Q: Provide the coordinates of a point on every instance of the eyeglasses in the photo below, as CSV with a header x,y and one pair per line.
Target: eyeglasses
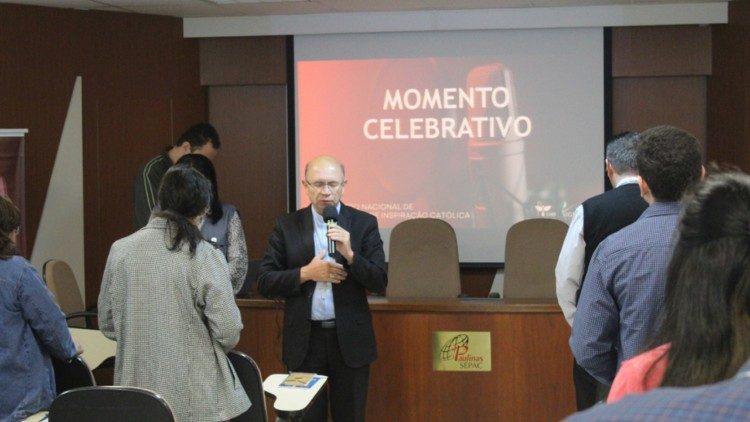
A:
x,y
319,186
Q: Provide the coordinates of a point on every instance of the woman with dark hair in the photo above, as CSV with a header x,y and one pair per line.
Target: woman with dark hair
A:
x,y
222,225
32,328
705,335
167,301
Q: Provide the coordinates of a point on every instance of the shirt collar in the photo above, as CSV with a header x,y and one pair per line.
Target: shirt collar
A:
x,y
627,180
662,208
318,218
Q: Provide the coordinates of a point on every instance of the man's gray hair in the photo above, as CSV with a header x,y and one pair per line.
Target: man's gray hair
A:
x,y
621,152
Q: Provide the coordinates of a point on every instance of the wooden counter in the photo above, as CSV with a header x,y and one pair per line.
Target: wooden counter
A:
x,y
531,362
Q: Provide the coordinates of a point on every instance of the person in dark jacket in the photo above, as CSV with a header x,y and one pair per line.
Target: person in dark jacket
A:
x,y
327,321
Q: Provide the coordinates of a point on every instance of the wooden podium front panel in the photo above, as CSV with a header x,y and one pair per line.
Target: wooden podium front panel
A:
x,y
530,377
531,362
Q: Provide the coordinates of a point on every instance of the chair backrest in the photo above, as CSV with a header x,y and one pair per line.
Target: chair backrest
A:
x,y
61,281
423,260
531,250
252,381
110,403
72,374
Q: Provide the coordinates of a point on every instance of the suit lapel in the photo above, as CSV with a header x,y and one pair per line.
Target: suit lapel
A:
x,y
306,252
345,218
345,223
306,233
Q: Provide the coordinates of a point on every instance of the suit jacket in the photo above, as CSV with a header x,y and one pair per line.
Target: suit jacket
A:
x,y
291,247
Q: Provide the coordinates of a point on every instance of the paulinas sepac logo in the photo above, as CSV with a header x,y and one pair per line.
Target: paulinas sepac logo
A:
x,y
467,351
457,350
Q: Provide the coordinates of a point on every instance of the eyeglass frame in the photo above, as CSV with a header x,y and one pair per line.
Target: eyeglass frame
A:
x,y
323,185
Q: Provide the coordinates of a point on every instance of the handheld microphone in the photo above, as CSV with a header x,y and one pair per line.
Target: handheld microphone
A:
x,y
331,217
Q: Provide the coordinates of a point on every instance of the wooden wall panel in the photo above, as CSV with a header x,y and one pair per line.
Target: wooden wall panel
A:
x,y
247,79
243,61
477,282
644,102
659,77
728,124
36,82
526,383
143,91
251,167
661,51
141,88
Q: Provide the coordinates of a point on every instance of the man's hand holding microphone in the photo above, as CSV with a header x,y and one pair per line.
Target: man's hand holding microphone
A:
x,y
338,240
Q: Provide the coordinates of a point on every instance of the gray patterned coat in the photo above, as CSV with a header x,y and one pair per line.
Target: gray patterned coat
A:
x,y
174,318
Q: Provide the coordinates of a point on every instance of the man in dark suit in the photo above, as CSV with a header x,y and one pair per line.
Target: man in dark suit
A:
x,y
327,322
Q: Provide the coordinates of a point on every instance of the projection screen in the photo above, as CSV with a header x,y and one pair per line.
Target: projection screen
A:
x,y
479,128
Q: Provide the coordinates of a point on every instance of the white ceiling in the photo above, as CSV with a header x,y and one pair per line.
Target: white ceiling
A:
x,y
219,8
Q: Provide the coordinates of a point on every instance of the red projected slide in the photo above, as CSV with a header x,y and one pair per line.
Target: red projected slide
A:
x,y
481,129
421,137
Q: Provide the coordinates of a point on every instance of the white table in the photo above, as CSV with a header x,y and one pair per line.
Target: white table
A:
x,y
37,417
96,347
291,402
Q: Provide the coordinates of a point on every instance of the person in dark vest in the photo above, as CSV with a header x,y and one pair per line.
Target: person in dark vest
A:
x,y
222,225
592,222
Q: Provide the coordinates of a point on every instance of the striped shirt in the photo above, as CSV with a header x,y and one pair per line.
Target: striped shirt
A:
x,y
146,187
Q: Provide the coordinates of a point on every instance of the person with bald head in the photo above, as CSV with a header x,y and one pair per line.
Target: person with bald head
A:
x,y
327,322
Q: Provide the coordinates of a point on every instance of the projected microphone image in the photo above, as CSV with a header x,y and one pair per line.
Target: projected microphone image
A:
x,y
498,166
331,216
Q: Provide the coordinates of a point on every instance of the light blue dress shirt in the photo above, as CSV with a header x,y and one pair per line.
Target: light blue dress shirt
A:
x,y
322,301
